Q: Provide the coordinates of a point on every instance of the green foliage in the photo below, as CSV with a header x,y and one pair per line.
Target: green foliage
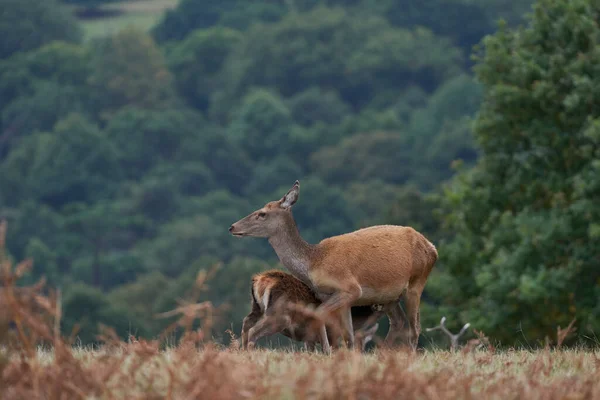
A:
x,y
523,254
190,15
136,133
197,61
29,24
227,160
72,163
130,70
444,114
312,48
377,155
410,207
262,125
462,21
314,106
87,307
40,87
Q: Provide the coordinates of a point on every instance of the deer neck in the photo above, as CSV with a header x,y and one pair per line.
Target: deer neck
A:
x,y
293,251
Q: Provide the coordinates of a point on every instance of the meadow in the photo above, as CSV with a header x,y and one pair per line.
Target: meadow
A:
x,y
139,370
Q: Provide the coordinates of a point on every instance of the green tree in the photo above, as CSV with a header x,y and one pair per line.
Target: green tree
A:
x,y
197,61
359,56
87,307
441,131
512,12
192,15
262,125
61,63
376,155
463,21
315,105
141,297
40,111
72,163
371,199
524,254
145,138
276,172
103,228
29,24
40,87
35,231
225,157
188,16
130,70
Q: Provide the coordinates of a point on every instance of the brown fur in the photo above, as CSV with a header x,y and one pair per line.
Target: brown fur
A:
x,y
382,260
279,285
375,265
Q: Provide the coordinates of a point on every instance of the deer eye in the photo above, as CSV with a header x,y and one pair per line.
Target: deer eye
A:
x,y
262,215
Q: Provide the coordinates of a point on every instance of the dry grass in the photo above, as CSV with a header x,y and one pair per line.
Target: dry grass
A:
x,y
141,371
37,362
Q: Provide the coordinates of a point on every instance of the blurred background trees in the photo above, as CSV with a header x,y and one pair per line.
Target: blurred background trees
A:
x,y
126,155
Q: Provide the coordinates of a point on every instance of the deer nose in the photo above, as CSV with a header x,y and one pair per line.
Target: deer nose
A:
x,y
230,228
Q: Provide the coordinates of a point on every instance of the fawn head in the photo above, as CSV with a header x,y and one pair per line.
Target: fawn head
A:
x,y
270,219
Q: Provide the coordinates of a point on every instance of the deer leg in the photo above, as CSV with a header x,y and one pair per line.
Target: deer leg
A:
x,y
413,300
348,326
250,320
267,326
324,339
396,317
340,302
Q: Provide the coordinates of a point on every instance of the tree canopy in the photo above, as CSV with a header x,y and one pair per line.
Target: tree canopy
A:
x,y
525,252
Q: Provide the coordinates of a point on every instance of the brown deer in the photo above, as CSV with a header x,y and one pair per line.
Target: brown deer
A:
x,y
280,304
375,265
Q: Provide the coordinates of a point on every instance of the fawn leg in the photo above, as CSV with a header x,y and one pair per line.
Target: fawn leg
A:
x,y
249,322
324,339
267,326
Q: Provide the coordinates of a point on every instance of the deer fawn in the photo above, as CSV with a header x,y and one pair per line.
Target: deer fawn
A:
x,y
272,294
375,265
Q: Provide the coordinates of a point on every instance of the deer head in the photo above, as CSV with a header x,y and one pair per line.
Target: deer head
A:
x,y
269,220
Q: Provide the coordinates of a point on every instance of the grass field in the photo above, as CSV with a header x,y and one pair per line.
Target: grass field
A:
x,y
141,371
142,14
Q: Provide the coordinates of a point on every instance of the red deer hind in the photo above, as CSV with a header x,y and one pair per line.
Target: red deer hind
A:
x,y
375,265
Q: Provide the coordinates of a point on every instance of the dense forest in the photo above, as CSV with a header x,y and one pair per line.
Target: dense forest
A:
x,y
124,159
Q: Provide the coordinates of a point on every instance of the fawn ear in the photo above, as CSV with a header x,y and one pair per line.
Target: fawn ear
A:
x,y
290,197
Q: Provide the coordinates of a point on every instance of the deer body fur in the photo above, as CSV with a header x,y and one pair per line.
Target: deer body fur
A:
x,y
271,287
375,265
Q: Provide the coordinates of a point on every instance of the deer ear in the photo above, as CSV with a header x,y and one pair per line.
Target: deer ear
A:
x,y
291,196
